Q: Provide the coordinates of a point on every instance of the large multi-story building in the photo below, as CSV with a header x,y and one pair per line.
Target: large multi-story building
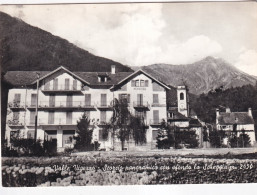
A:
x,y
63,96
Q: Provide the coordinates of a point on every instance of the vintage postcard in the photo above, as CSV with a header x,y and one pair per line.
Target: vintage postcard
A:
x,y
128,94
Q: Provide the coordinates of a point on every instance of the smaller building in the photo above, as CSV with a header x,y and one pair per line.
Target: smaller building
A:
x,y
179,114
236,122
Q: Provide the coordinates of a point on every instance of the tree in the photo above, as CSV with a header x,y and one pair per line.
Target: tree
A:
x,y
165,139
242,141
84,137
205,134
124,125
185,136
216,138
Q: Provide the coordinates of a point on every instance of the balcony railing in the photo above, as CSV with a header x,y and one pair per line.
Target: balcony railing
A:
x,y
141,105
104,105
16,105
156,122
158,105
15,122
61,88
63,104
58,121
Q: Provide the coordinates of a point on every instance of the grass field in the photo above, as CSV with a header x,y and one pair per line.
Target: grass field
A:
x,y
127,168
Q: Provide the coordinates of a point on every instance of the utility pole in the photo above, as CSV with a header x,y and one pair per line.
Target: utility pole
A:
x,y
36,115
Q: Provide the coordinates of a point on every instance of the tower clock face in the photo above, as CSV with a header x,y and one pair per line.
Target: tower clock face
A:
x,y
182,106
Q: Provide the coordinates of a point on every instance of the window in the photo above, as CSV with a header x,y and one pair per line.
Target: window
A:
x,y
33,100
74,84
17,99
102,116
32,117
16,117
102,137
67,84
103,99
69,118
142,83
154,134
137,83
87,113
51,118
87,99
69,101
124,97
156,116
30,134
55,87
52,100
181,96
155,98
140,114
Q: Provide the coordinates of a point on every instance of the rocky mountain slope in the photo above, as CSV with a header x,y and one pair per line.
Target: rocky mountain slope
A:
x,y
202,76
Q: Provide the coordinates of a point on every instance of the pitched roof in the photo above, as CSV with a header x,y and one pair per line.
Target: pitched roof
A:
x,y
194,123
61,68
225,118
177,116
22,78
143,72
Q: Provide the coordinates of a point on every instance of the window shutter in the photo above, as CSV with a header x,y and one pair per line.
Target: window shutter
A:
x,y
146,83
51,118
128,98
87,99
67,84
33,100
133,83
155,98
74,84
55,84
32,117
17,99
69,101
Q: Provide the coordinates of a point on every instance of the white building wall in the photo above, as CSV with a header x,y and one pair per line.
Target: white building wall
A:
x,y
60,116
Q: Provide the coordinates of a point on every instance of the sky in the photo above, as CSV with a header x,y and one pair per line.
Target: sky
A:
x,y
141,34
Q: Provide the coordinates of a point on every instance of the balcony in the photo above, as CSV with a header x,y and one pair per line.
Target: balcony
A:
x,y
15,123
15,105
57,122
156,122
63,106
158,105
141,105
104,105
61,89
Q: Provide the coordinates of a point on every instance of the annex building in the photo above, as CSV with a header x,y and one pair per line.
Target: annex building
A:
x,y
63,96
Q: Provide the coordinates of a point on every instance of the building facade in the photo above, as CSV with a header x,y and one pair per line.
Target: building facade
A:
x,y
63,97
237,122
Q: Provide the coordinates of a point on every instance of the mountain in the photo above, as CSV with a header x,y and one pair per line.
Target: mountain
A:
x,y
202,76
24,47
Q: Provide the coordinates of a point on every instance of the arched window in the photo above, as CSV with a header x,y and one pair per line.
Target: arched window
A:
x,y
181,96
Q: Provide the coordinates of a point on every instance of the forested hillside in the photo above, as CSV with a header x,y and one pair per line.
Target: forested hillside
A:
x,y
25,47
238,99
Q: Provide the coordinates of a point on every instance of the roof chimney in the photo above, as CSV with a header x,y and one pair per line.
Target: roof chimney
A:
x,y
228,110
113,69
250,112
217,112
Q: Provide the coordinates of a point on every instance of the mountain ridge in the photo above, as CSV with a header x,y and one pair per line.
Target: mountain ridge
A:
x,y
25,47
201,76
